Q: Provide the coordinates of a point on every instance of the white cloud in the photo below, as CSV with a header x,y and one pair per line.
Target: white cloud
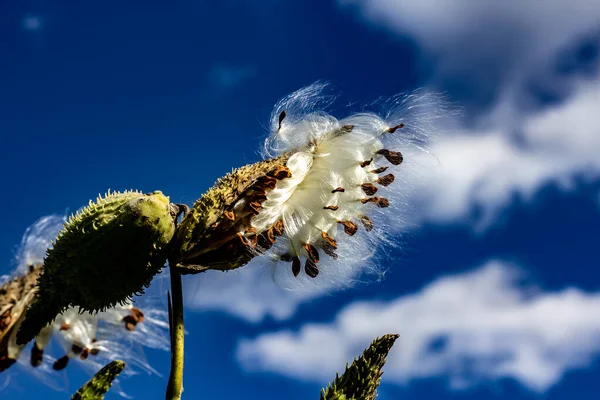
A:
x,y
484,167
469,328
248,293
490,42
516,146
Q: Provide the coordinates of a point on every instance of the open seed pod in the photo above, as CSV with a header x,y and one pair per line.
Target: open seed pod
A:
x,y
15,297
217,233
104,255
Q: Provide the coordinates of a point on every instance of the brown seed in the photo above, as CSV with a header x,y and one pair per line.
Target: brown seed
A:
x,y
281,172
65,327
386,179
130,322
346,128
330,242
6,362
137,314
311,269
230,215
37,355
330,252
366,223
267,182
85,354
338,189
61,363
382,202
394,128
379,170
350,227
369,189
366,163
281,118
393,157
285,257
332,208
295,265
313,253
94,351
256,207
76,349
271,235
278,227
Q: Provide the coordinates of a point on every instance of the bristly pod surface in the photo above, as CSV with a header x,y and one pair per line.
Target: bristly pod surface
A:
x,y
218,233
105,254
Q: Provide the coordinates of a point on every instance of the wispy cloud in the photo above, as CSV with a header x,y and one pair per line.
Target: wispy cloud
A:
x,y
518,144
470,328
32,23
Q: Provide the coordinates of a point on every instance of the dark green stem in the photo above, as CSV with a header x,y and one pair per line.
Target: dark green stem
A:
x,y
175,387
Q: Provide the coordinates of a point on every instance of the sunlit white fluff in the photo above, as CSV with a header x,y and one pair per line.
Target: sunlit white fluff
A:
x,y
349,181
89,340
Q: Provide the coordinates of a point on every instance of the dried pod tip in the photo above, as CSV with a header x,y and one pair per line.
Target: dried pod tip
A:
x,y
104,255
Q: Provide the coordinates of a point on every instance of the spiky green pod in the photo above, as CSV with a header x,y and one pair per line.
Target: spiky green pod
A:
x,y
96,388
105,254
361,379
209,237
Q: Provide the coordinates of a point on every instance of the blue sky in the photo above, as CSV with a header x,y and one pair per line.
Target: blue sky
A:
x,y
495,289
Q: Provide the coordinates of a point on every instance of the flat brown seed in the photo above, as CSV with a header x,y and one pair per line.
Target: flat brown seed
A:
x,y
229,215
94,351
369,189
285,257
76,349
65,327
271,235
338,189
281,172
332,208
130,323
366,163
256,207
346,128
311,269
313,253
386,179
37,356
281,118
367,223
137,314
85,354
267,182
296,265
329,240
61,363
330,252
382,202
278,227
395,128
350,228
394,157
379,170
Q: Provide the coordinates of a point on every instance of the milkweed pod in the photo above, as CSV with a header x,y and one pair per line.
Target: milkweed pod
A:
x,y
105,254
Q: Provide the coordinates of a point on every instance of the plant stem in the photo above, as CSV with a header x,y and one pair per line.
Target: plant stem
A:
x,y
175,387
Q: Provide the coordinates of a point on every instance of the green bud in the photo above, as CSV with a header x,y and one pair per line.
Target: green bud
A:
x,y
361,379
104,255
209,236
